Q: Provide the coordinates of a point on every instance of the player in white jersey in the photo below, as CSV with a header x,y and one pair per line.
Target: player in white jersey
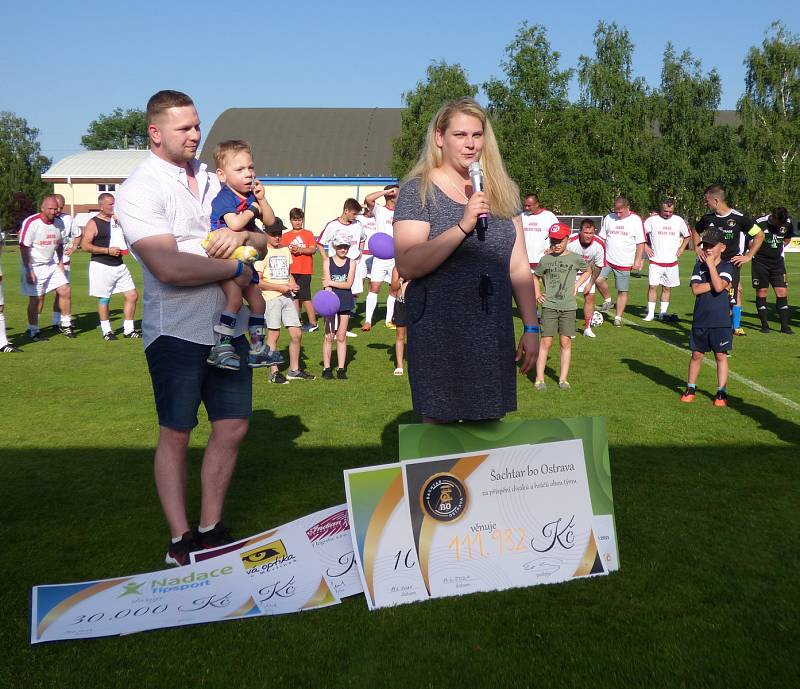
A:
x,y
592,250
381,268
667,238
41,253
536,223
623,234
367,221
70,238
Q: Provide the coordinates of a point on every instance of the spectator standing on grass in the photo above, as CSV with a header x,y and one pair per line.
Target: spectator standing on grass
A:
x,y
164,208
338,273
667,238
536,223
41,251
711,321
591,249
70,238
381,268
735,226
303,245
769,268
108,274
279,289
623,234
398,287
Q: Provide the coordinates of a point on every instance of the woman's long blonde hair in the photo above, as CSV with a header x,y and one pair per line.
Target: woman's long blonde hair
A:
x,y
501,190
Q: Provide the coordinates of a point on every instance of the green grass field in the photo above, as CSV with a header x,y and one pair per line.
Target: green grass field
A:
x,y
707,508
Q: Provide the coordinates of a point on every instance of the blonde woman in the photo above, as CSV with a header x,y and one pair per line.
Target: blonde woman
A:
x,y
461,345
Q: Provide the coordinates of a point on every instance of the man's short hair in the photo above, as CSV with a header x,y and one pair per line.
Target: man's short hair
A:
x,y
715,190
225,150
296,214
48,197
624,200
391,186
60,198
668,202
104,195
780,214
164,100
352,205
532,196
588,222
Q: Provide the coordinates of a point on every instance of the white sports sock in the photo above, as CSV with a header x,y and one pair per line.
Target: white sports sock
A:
x,y
664,306
3,338
66,321
372,303
651,309
105,326
390,300
127,327
206,529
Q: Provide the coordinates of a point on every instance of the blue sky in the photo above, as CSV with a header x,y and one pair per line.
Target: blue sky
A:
x,y
71,62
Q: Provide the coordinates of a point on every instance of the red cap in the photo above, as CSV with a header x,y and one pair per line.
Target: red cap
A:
x,y
559,231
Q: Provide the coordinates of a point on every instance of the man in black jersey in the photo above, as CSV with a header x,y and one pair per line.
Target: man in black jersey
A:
x,y
769,267
735,227
108,275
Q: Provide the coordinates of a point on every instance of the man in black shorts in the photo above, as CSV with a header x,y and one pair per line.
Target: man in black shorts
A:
x,y
735,226
769,267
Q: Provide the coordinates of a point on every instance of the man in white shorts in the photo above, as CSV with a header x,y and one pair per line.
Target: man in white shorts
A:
x,y
367,220
667,237
536,223
5,346
70,238
108,274
41,253
592,250
623,234
381,268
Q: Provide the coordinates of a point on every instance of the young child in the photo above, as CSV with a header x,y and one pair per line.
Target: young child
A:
x,y
712,325
303,245
279,289
559,269
239,202
338,273
397,289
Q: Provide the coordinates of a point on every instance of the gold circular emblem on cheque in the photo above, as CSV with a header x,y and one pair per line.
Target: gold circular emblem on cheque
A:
x,y
443,497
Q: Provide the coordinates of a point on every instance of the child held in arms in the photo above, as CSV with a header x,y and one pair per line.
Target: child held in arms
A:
x,y
240,201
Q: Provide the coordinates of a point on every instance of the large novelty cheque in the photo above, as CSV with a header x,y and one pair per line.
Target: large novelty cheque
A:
x,y
205,592
510,517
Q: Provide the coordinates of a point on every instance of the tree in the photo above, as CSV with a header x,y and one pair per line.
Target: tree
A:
x,y
121,129
530,111
444,83
687,156
21,167
770,120
616,117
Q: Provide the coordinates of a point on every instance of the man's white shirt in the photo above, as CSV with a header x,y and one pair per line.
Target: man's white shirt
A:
x,y
535,227
42,238
594,254
354,232
621,235
666,237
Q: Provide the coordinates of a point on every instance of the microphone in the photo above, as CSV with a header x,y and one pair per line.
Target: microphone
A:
x,y
476,177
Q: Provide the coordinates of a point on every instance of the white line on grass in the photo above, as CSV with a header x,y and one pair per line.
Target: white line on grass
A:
x,y
741,379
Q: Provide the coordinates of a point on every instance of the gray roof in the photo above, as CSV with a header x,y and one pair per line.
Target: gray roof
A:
x,y
109,164
311,142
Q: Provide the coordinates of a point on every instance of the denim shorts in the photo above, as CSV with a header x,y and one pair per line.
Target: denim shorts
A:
x,y
182,380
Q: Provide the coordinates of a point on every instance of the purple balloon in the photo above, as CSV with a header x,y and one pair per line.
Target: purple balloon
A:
x,y
381,245
326,303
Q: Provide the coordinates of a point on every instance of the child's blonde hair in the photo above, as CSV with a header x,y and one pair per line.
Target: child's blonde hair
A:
x,y
225,150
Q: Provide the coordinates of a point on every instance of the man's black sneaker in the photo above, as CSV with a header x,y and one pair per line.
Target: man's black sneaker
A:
x,y
134,334
109,335
36,336
299,375
764,328
327,374
178,553
278,378
9,349
341,374
786,330
218,536
67,331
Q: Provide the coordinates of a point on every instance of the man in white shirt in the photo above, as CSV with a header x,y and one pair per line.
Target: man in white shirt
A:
x,y
667,236
70,238
592,250
623,234
381,268
164,209
536,223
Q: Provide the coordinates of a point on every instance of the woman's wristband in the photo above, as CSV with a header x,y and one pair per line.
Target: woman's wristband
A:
x,y
530,328
239,269
466,234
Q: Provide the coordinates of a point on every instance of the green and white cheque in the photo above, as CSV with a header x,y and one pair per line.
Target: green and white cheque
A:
x,y
496,519
205,592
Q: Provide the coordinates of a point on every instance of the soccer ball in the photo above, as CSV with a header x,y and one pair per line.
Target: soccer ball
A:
x,y
597,319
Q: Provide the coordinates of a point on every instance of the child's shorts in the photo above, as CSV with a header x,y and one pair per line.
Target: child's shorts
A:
x,y
711,340
554,322
281,311
399,317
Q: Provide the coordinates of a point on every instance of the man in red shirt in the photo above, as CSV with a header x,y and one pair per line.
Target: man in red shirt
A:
x,y
303,245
